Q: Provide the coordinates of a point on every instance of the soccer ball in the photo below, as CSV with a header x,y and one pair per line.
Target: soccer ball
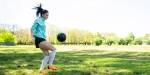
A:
x,y
61,37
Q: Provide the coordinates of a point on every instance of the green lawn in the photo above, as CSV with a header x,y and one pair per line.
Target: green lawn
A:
x,y
25,60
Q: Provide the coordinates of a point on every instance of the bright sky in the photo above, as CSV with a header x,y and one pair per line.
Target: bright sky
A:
x,y
118,16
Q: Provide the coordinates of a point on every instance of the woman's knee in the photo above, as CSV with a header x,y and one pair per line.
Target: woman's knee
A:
x,y
45,52
53,49
50,46
47,46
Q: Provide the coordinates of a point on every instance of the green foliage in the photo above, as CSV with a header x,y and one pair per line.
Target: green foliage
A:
x,y
110,38
130,38
98,42
76,36
1,37
137,41
109,42
24,37
52,34
148,42
6,36
88,37
146,39
2,31
122,42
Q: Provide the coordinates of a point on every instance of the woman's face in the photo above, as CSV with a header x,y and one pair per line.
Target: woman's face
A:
x,y
45,16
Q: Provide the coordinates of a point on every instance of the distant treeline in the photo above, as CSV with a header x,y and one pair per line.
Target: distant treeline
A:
x,y
74,36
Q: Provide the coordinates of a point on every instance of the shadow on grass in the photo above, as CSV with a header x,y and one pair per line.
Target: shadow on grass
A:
x,y
73,63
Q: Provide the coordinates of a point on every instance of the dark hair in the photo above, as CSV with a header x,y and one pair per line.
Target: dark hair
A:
x,y
40,10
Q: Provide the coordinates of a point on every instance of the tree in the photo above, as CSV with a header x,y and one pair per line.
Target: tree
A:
x,y
76,36
88,37
122,41
110,38
138,41
52,34
73,36
146,39
109,42
98,39
24,37
130,38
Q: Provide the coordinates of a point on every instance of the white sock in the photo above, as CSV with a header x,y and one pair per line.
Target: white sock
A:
x,y
44,62
52,57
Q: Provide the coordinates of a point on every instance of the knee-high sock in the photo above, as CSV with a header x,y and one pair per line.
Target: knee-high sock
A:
x,y
51,57
44,62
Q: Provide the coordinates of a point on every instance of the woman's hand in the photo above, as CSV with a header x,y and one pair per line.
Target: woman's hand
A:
x,y
33,39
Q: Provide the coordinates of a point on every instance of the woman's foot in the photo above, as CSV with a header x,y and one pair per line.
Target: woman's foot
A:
x,y
52,67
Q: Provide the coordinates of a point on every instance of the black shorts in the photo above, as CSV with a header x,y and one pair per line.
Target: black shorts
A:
x,y
38,40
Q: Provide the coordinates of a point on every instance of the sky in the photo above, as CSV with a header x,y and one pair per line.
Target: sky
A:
x,y
118,16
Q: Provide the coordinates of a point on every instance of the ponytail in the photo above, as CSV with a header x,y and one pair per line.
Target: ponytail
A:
x,y
40,11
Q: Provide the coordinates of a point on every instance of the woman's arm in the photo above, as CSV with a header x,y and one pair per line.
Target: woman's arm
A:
x,y
33,30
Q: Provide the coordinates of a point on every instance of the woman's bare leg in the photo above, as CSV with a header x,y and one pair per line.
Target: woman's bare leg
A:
x,y
44,60
46,47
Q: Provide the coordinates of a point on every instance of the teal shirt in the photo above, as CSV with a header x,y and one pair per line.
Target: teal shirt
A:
x,y
38,28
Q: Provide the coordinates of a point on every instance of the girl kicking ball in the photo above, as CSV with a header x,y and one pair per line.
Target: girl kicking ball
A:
x,y
38,32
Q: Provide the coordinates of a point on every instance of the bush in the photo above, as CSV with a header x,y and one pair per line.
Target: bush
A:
x,y
130,38
137,42
98,42
123,42
7,37
148,42
110,42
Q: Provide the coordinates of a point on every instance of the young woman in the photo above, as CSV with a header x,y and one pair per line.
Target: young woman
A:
x,y
38,32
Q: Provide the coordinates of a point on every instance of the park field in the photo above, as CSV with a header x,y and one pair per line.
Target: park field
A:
x,y
77,60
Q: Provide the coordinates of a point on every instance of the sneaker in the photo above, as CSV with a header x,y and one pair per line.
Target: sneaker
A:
x,y
52,67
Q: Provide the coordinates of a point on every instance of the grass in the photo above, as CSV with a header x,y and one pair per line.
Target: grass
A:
x,y
25,60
